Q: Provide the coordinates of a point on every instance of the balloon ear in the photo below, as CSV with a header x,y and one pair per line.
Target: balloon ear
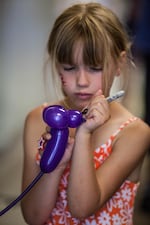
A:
x,y
75,118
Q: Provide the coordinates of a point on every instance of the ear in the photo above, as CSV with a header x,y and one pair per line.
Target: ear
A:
x,y
123,57
121,62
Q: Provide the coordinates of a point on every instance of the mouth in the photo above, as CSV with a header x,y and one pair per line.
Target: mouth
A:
x,y
83,96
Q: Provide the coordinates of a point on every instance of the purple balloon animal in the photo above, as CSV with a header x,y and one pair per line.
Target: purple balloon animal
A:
x,y
59,120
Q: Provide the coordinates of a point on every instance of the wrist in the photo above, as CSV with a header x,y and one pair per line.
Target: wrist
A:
x,y
82,132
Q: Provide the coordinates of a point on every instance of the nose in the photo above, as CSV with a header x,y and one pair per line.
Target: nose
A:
x,y
82,78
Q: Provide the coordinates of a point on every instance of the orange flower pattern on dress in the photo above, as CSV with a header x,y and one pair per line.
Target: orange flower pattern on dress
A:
x,y
119,208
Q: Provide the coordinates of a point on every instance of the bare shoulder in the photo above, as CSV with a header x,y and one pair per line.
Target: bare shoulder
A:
x,y
34,127
139,127
137,133
34,118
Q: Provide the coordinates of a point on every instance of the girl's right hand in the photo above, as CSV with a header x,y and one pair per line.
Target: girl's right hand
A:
x,y
46,136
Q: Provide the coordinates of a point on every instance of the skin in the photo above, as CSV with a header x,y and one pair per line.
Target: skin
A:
x,y
83,87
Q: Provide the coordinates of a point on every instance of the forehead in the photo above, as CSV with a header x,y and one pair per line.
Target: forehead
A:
x,y
81,51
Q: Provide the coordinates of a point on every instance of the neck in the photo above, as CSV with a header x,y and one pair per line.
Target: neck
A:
x,y
67,104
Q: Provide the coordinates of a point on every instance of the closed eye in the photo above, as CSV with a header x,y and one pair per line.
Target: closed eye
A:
x,y
68,68
96,69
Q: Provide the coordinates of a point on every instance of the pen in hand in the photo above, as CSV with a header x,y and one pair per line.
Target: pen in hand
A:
x,y
109,99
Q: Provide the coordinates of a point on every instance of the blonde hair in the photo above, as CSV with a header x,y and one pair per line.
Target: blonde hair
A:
x,y
102,35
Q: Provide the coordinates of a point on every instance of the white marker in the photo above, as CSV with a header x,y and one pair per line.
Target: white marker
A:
x,y
115,96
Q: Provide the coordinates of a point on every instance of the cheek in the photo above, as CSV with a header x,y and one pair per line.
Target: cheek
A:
x,y
63,80
97,83
67,82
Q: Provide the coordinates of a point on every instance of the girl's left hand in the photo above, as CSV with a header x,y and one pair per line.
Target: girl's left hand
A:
x,y
98,112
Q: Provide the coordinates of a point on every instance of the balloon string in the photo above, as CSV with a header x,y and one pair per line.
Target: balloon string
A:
x,y
36,179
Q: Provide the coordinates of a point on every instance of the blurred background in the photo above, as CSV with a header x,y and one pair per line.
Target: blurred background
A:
x,y
24,28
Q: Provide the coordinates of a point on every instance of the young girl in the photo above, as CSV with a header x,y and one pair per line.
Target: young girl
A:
x,y
97,179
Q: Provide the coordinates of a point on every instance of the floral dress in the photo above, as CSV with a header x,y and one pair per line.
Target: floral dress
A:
x,y
119,208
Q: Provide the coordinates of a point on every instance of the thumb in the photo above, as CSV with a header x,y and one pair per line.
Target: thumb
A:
x,y
98,93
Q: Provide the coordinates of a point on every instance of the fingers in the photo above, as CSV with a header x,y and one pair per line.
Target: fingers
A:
x,y
96,96
46,135
98,112
98,93
98,104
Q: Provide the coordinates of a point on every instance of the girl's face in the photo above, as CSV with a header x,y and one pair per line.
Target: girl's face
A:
x,y
79,81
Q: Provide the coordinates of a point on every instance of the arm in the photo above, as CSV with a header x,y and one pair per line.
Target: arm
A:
x,y
83,187
40,201
91,188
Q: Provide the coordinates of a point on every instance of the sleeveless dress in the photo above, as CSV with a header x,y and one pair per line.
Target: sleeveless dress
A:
x,y
118,210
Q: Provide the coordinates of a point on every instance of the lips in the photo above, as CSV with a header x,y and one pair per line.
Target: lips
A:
x,y
84,96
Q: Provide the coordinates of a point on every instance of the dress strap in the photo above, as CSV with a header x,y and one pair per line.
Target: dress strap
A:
x,y
122,126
